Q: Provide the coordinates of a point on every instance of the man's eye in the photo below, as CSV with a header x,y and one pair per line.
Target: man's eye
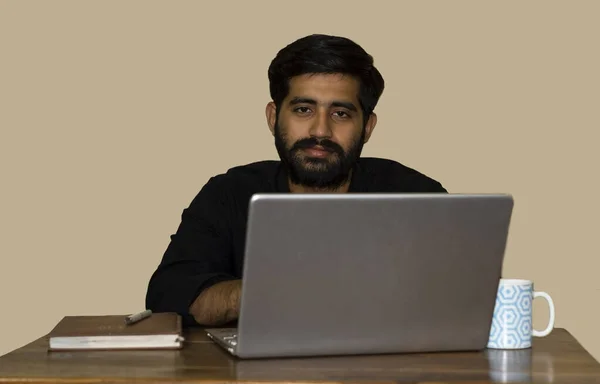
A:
x,y
302,109
341,114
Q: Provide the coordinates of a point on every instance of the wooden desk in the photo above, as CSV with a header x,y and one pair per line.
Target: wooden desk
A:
x,y
558,358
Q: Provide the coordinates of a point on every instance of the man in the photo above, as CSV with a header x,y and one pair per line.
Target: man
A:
x,y
324,91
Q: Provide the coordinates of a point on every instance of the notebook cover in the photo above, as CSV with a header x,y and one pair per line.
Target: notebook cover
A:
x,y
163,323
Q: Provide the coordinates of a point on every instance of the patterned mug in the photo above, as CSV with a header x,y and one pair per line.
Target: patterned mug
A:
x,y
512,321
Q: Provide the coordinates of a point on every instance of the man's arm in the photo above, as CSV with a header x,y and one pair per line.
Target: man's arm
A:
x,y
197,262
218,304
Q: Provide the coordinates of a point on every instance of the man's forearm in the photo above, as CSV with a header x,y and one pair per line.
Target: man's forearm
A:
x,y
218,304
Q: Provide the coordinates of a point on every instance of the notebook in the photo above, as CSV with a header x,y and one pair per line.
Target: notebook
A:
x,y
159,331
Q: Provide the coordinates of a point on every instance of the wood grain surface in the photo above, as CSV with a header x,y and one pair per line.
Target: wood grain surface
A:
x,y
557,358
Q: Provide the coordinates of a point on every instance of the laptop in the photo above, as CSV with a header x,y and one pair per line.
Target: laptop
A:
x,y
348,274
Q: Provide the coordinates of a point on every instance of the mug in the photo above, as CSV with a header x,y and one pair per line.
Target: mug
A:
x,y
512,320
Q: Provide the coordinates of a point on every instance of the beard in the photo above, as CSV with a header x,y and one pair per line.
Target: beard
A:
x,y
328,173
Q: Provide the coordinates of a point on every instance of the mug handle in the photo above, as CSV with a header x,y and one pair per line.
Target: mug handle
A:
x,y
550,326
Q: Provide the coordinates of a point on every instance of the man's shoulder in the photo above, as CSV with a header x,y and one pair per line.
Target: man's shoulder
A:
x,y
237,183
257,168
255,175
393,176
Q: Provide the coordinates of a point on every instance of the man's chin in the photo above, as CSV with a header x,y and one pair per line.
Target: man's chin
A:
x,y
318,167
317,164
317,173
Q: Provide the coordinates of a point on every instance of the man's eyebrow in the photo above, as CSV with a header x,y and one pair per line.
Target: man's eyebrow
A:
x,y
344,104
302,100
306,100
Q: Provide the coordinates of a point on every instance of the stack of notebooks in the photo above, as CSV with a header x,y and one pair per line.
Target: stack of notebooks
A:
x,y
159,331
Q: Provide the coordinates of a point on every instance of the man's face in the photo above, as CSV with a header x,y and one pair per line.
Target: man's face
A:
x,y
319,131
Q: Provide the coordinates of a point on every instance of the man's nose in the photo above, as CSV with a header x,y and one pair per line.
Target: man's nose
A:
x,y
321,126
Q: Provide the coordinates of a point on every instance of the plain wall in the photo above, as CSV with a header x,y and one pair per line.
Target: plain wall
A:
x,y
113,114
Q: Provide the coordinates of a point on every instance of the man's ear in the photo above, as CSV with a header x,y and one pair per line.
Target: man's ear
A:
x,y
370,126
271,113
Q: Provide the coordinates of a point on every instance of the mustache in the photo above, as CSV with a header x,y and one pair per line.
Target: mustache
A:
x,y
312,142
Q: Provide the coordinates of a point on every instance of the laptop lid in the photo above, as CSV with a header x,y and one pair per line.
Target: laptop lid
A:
x,y
370,273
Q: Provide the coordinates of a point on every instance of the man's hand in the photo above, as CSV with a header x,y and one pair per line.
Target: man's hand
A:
x,y
218,304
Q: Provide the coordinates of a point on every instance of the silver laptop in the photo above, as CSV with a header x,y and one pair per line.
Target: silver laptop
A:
x,y
344,274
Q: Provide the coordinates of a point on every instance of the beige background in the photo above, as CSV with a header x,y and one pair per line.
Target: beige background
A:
x,y
113,114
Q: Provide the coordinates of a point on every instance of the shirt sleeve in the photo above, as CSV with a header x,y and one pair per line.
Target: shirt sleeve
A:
x,y
198,255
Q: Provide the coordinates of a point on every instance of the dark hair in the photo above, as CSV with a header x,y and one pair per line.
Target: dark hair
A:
x,y
326,54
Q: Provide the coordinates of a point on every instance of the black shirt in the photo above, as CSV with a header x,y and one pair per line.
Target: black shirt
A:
x,y
208,246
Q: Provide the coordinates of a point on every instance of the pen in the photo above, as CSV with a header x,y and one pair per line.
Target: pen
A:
x,y
137,316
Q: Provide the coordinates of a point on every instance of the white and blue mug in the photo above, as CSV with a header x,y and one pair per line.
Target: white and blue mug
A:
x,y
512,326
